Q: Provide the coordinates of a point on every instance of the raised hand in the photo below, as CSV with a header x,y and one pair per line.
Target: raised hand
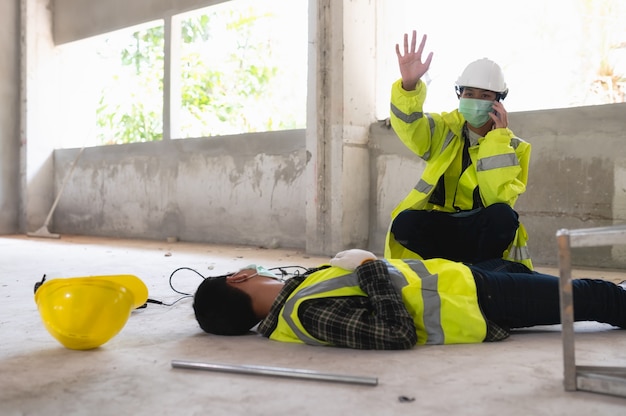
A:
x,y
411,66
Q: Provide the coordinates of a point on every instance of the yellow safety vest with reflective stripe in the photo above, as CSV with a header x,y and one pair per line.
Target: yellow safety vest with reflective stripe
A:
x,y
500,159
439,294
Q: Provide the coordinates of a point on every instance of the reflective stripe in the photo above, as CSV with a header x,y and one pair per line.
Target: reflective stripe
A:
x,y
448,140
418,267
407,118
432,310
423,186
498,161
431,124
347,280
518,253
430,297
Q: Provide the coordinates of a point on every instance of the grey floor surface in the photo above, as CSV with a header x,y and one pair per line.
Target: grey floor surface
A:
x,y
132,374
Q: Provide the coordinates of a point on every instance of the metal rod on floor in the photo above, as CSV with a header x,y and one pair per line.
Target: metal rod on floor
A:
x,y
275,371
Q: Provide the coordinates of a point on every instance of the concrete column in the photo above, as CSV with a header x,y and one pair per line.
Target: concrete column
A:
x,y
171,78
9,116
40,89
341,103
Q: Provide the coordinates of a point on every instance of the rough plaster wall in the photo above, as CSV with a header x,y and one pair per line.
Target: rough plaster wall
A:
x,y
574,177
243,190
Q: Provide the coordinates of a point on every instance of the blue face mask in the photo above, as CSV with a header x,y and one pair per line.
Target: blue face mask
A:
x,y
476,112
261,271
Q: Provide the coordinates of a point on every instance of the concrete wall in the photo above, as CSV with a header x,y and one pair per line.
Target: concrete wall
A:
x,y
576,178
242,190
250,189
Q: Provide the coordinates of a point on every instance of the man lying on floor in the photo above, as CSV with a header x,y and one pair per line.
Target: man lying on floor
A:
x,y
359,301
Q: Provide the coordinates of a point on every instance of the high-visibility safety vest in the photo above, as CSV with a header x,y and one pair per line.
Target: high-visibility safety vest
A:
x,y
500,159
439,294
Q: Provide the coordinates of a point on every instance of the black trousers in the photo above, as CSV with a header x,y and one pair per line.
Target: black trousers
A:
x,y
466,236
512,296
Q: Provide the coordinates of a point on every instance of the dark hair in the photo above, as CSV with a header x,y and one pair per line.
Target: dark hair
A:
x,y
222,309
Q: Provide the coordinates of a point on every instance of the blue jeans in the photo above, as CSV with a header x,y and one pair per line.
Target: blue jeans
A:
x,y
512,296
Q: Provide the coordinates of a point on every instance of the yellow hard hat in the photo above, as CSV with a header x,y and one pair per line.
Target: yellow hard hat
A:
x,y
85,312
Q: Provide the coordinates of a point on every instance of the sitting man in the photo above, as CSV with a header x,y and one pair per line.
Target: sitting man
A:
x,y
475,167
359,301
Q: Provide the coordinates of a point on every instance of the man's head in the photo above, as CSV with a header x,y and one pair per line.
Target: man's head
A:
x,y
478,87
223,309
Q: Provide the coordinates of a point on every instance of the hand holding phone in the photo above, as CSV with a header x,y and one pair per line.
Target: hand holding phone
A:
x,y
499,115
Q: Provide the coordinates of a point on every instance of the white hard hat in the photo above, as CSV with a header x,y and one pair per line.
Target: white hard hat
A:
x,y
484,74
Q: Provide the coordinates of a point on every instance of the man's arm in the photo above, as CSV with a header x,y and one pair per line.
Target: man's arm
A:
x,y
502,167
407,97
378,321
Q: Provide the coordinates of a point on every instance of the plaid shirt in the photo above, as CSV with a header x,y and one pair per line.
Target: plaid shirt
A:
x,y
378,321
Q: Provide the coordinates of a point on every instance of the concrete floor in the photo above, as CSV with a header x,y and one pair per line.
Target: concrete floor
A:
x,y
132,373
